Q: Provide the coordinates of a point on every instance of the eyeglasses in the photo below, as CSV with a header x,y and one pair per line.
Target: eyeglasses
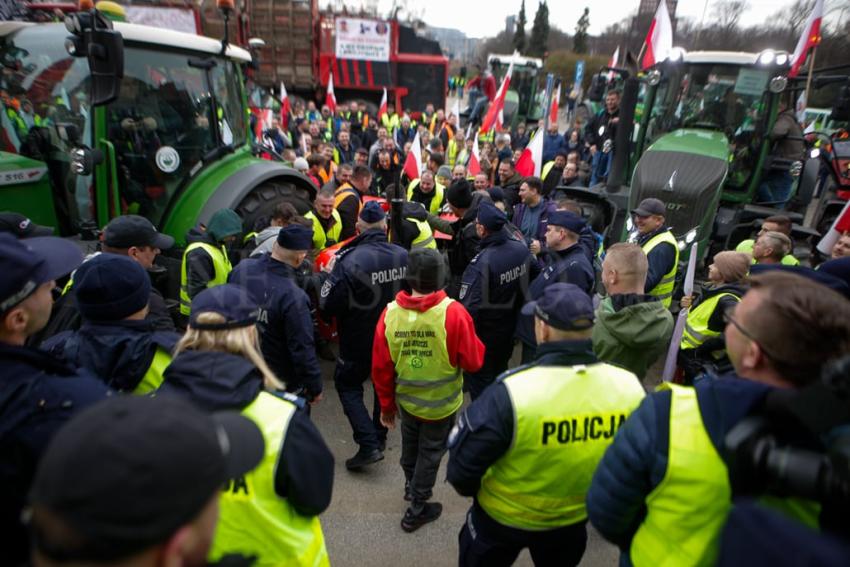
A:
x,y
729,319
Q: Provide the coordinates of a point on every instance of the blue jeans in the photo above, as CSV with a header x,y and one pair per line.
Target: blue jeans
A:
x,y
348,379
600,167
775,189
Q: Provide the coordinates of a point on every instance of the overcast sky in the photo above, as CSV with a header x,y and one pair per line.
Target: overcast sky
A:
x,y
485,18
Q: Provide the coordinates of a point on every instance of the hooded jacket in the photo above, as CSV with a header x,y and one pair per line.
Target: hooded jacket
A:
x,y
632,331
265,240
218,381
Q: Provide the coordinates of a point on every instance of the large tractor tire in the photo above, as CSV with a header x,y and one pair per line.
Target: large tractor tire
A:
x,y
262,200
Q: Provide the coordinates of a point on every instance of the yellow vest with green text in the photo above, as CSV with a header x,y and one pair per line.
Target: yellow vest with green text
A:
x,y
436,200
664,289
253,519
322,239
565,419
696,329
425,238
221,266
152,379
427,385
687,510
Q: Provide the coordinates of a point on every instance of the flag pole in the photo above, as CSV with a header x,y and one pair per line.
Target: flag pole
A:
x,y
640,55
811,69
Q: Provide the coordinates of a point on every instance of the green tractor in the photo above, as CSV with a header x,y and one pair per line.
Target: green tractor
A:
x,y
523,101
101,119
701,144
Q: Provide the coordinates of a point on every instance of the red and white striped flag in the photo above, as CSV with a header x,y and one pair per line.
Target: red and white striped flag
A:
x,y
330,97
811,38
839,227
413,161
456,110
553,110
613,63
474,166
659,40
531,161
285,107
383,108
498,104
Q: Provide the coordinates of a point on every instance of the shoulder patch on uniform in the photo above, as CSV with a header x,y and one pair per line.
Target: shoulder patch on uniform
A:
x,y
326,288
463,289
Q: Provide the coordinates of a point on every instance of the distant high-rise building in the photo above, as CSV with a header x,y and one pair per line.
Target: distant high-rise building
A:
x,y
510,24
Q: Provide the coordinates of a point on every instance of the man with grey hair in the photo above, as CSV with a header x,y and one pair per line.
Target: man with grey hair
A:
x,y
771,247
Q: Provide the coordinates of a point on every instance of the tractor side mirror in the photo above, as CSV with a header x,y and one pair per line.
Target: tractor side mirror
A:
x,y
95,39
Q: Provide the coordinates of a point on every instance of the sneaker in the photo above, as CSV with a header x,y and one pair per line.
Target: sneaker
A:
x,y
363,458
430,512
408,495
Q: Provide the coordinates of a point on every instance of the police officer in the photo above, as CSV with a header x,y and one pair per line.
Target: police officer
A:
x,y
205,261
660,247
566,261
526,449
492,290
38,393
327,224
367,274
271,512
285,323
115,342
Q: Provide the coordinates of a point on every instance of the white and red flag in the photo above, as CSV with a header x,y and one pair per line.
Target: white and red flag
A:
x,y
659,40
553,110
839,227
613,63
285,107
330,97
383,108
474,166
531,161
413,161
498,104
811,38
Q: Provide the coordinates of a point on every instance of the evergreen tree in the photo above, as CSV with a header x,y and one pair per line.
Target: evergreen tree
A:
x,y
539,41
580,38
519,33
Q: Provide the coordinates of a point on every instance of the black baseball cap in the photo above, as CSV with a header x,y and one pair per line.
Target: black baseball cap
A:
x,y
29,263
133,230
563,306
126,473
649,207
21,226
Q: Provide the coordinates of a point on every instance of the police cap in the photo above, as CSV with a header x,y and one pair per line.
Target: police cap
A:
x,y
563,306
134,230
490,217
568,220
372,212
27,264
232,302
21,226
111,288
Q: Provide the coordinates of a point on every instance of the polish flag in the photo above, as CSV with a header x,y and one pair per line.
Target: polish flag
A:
x,y
531,161
285,107
811,38
553,110
382,109
413,161
659,40
330,97
474,166
456,110
839,227
613,63
498,104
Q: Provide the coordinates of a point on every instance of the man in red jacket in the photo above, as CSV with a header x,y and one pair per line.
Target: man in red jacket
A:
x,y
423,342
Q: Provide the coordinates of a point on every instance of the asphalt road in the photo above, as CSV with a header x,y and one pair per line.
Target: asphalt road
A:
x,y
362,524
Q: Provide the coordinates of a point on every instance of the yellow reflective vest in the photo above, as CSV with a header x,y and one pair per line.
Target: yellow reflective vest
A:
x,y
253,519
427,385
153,378
696,329
436,200
687,510
221,266
322,239
565,418
664,289
747,246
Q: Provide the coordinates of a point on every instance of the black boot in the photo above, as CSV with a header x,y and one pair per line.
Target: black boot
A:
x,y
429,512
363,458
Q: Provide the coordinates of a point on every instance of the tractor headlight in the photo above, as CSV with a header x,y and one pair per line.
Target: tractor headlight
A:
x,y
653,77
766,57
691,236
778,84
815,153
782,59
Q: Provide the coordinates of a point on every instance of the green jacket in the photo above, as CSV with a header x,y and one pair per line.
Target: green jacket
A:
x,y
633,336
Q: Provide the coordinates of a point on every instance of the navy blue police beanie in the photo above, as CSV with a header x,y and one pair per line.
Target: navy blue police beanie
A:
x,y
111,288
295,237
372,212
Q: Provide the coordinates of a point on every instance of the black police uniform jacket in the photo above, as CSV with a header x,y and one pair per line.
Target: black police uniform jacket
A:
x,y
38,394
117,352
493,286
368,274
565,266
464,246
285,324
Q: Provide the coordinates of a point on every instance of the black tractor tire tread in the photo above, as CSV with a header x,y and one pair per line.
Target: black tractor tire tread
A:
x,y
262,200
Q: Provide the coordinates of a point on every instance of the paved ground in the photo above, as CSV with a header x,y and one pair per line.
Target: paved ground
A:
x,y
362,524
